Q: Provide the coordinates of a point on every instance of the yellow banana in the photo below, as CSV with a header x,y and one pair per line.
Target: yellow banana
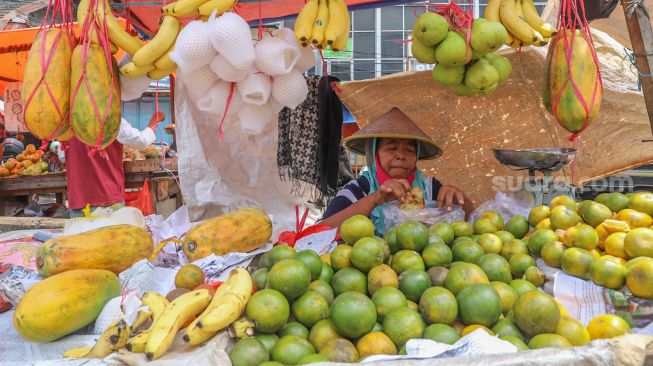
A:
x,y
305,21
161,43
220,5
114,48
492,10
230,305
130,69
112,339
157,74
540,40
117,34
141,318
195,335
321,23
164,62
341,42
176,314
338,15
535,21
513,41
156,302
183,8
83,13
80,352
137,344
515,25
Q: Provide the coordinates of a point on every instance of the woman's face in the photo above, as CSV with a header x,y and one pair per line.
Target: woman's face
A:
x,y
397,156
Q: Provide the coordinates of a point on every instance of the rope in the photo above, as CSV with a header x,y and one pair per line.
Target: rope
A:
x,y
632,57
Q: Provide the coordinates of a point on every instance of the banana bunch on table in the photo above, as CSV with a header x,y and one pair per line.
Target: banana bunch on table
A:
x,y
198,314
152,58
323,23
521,19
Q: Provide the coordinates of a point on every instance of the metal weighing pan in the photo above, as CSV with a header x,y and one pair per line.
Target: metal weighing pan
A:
x,y
535,159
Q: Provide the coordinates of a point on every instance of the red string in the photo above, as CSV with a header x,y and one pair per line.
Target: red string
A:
x,y
232,88
334,85
458,18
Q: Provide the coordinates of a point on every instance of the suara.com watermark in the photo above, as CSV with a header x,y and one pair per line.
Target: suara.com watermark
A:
x,y
562,184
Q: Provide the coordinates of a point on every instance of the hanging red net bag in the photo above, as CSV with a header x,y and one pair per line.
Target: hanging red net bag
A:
x,y
95,85
46,84
573,86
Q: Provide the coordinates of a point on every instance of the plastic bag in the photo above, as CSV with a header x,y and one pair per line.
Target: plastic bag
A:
x,y
103,217
507,205
429,215
141,200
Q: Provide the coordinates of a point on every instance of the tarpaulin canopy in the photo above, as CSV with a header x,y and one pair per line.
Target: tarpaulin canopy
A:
x,y
252,11
14,49
513,117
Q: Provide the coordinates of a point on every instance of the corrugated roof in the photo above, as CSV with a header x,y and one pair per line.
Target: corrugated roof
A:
x,y
21,10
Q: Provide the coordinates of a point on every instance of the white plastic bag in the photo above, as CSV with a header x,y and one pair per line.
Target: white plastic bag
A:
x,y
103,217
429,215
507,205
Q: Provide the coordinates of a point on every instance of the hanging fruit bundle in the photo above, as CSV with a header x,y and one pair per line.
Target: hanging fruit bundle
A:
x,y
95,85
323,23
46,86
573,86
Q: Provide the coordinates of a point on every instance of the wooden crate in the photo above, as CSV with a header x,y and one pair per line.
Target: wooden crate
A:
x,y
149,165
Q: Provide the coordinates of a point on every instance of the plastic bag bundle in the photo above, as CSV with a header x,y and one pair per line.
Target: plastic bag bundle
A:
x,y
429,215
193,48
199,81
290,90
274,56
231,37
254,118
306,60
506,205
216,98
255,88
226,71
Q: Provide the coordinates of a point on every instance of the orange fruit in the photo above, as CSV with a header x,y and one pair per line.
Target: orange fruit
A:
x,y
576,262
548,340
538,214
564,200
607,326
563,217
642,202
614,245
375,343
639,243
470,328
640,278
189,277
608,273
634,218
355,228
381,276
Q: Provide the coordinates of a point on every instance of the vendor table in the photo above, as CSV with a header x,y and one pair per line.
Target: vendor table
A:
x,y
163,184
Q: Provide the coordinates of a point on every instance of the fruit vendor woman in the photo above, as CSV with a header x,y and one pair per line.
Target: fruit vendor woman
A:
x,y
392,145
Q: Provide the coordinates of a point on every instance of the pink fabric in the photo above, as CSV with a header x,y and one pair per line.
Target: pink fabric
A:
x,y
382,176
94,180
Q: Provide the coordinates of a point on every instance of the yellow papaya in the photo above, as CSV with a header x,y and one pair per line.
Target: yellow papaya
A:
x,y
114,248
46,115
62,304
239,231
565,104
85,120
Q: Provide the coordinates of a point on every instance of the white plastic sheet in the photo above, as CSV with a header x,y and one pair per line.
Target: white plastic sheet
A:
x,y
240,171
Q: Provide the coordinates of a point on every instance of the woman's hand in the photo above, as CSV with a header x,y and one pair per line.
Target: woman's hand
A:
x,y
391,190
449,195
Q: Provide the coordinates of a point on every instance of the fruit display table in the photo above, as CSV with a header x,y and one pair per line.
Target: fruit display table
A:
x,y
163,185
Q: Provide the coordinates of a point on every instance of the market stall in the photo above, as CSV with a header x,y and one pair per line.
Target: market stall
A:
x,y
405,268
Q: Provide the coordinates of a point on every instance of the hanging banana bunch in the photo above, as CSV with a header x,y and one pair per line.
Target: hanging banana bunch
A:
x,y
322,24
520,18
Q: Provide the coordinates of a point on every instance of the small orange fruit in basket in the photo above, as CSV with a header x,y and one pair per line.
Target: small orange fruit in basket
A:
x,y
39,152
10,164
35,158
26,163
30,149
20,157
4,172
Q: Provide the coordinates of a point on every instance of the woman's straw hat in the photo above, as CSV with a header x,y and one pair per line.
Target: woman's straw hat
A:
x,y
393,124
